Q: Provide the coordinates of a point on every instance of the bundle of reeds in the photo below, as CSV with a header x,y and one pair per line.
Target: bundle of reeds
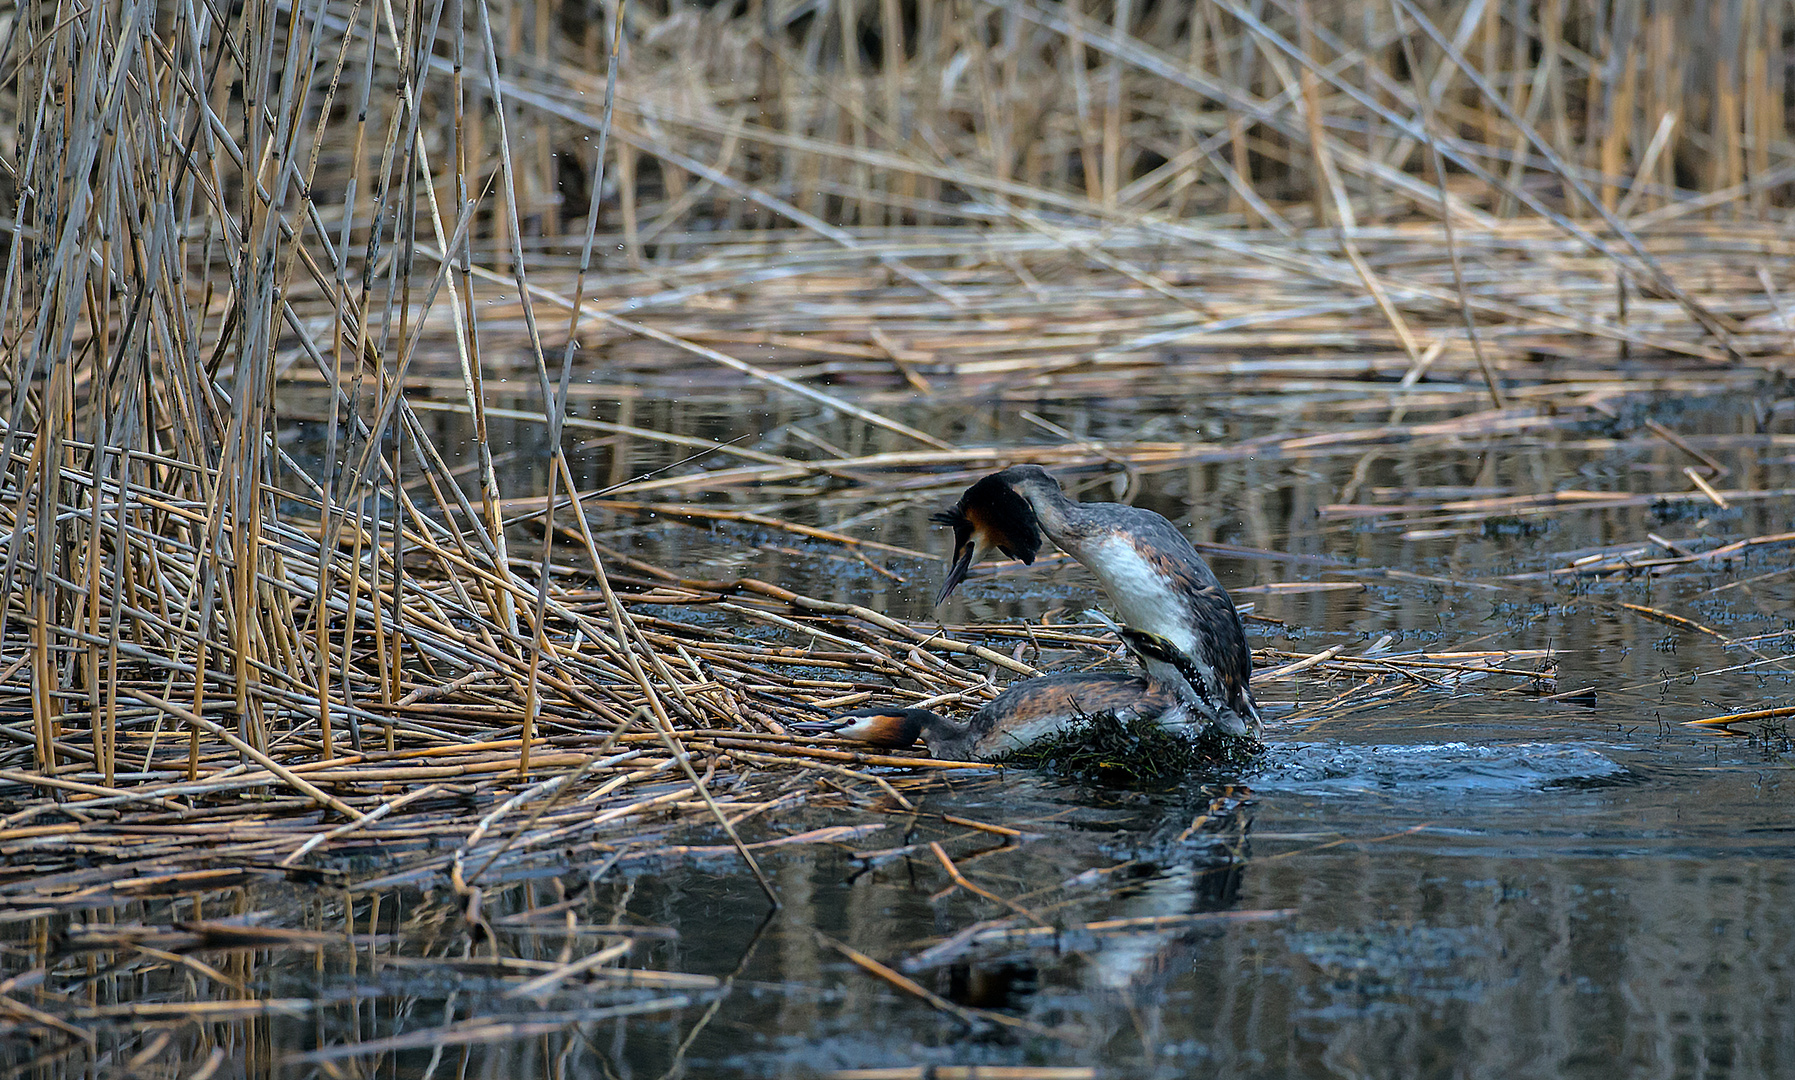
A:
x,y
217,219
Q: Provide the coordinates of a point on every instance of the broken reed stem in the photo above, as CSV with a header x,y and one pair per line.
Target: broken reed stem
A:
x,y
1439,174
665,730
933,1000
167,541
961,880
292,779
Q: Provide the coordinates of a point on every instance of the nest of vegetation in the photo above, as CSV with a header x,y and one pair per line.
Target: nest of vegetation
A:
x,y
1104,750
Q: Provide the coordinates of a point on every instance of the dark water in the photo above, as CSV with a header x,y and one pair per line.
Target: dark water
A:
x,y
1444,882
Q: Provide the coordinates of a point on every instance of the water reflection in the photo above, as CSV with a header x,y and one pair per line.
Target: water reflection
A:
x,y
1266,930
1458,882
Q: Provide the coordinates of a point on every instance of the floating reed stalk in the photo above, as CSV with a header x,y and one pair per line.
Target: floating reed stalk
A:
x,y
218,230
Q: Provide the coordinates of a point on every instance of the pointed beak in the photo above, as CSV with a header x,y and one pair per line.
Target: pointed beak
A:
x,y
892,729
966,552
990,514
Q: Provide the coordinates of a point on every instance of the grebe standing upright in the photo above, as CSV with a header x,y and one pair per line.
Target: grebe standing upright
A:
x,y
1184,628
1028,710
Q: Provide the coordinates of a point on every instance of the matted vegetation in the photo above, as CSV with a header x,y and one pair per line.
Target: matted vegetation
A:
x,y
1136,754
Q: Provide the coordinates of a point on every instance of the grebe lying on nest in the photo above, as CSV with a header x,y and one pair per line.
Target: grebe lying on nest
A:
x,y
1027,711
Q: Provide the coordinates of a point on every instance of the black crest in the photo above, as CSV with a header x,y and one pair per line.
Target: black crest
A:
x,y
990,514
992,507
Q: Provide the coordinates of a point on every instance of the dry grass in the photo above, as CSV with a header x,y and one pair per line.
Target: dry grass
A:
x,y
1509,218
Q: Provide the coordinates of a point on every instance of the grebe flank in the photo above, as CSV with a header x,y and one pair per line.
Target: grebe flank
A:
x,y
1026,711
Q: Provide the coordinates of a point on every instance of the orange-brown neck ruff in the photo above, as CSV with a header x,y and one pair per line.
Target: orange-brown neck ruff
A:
x,y
887,728
989,515
893,730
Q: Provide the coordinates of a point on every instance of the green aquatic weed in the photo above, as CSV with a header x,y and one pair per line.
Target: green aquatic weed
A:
x,y
1103,750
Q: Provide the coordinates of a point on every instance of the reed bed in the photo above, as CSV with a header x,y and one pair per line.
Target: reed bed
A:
x,y
1426,221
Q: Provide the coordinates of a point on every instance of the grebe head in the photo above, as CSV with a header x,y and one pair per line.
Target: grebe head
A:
x,y
887,728
991,515
896,729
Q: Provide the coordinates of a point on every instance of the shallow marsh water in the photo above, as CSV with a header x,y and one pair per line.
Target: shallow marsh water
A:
x,y
1453,881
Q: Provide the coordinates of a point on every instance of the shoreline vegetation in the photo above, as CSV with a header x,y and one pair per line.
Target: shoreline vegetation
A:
x,y
1406,224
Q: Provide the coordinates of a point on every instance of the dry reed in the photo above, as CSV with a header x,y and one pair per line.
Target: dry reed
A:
x,y
1508,218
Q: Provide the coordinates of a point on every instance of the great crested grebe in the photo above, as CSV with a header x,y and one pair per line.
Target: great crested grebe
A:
x,y
1181,623
1025,712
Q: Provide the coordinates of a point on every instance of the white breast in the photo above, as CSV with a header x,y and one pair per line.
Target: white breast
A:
x,y
1140,595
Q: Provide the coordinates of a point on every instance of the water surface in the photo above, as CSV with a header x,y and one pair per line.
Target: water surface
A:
x,y
1463,879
